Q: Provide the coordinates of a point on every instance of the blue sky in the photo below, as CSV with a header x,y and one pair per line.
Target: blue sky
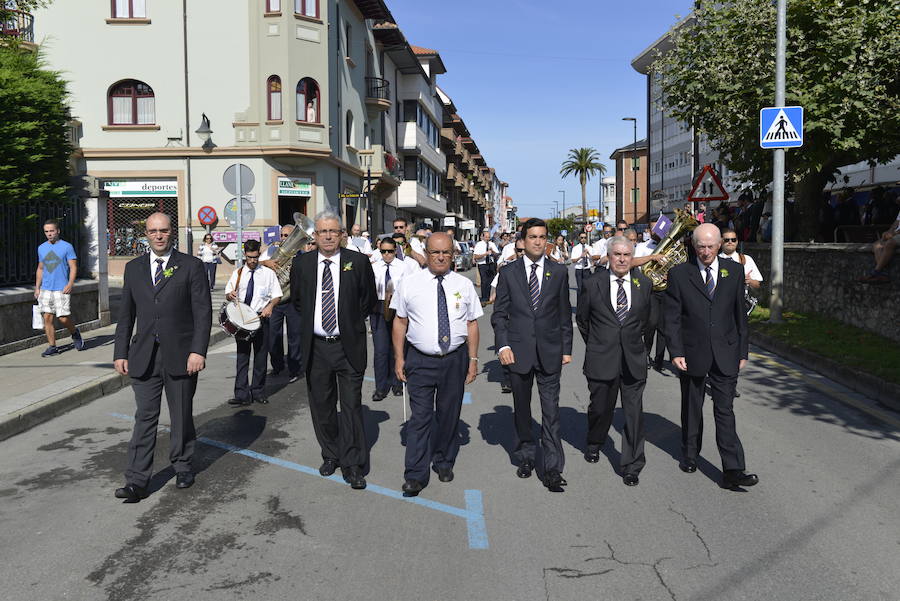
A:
x,y
534,79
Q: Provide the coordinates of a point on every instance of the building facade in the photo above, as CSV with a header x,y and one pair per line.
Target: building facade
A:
x,y
631,183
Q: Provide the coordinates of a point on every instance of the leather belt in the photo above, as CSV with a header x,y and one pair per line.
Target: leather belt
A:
x,y
327,338
438,356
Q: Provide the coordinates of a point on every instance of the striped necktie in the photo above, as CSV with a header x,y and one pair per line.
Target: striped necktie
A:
x,y
710,283
158,275
329,314
533,287
621,301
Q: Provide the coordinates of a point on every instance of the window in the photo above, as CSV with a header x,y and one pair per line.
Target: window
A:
x,y
308,100
129,9
351,134
635,195
131,102
348,32
273,6
273,87
307,8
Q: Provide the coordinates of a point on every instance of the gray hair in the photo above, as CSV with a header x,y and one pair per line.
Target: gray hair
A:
x,y
619,241
630,230
328,216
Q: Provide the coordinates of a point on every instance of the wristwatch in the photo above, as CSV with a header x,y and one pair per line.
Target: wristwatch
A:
x,y
475,359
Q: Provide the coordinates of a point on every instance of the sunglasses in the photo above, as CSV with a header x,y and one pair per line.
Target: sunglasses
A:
x,y
520,250
387,251
729,239
621,229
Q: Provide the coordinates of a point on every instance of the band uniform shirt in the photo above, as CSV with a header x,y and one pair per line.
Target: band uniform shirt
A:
x,y
165,262
399,269
614,289
482,247
645,249
335,259
577,256
265,286
598,248
750,267
416,299
508,253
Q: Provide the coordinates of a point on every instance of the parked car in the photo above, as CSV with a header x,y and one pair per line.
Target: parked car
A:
x,y
463,260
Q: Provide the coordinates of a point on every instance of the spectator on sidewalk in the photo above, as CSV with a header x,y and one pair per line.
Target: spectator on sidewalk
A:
x,y
54,280
884,250
209,254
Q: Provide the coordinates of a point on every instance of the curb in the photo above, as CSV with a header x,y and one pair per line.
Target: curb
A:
x,y
884,392
43,411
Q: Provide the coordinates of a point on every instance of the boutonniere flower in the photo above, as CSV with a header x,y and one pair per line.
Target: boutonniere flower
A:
x,y
723,273
348,266
547,275
457,295
167,273
635,282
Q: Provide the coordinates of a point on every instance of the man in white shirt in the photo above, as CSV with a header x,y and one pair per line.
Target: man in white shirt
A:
x,y
752,275
581,259
256,286
485,255
389,271
436,324
643,254
884,249
284,314
358,242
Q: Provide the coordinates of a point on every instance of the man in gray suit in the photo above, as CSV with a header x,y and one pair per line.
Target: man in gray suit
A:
x,y
167,294
533,334
612,311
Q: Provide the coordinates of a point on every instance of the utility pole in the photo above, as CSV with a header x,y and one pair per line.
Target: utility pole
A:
x,y
775,298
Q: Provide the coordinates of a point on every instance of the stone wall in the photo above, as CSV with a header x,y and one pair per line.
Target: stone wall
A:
x,y
821,278
15,314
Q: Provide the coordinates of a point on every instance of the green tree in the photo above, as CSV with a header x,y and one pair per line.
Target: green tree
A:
x,y
34,146
558,224
584,163
843,57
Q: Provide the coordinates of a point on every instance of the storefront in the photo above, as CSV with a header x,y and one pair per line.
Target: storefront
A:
x,y
294,195
130,203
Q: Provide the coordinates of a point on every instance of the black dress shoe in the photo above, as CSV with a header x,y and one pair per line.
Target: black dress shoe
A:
x,y
328,466
688,466
505,388
737,478
132,493
262,400
184,479
562,481
293,378
525,469
592,456
554,481
737,394
379,395
630,479
274,372
398,391
353,476
240,402
412,488
445,474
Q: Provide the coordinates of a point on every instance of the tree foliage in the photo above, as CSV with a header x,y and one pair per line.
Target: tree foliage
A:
x,y
584,163
558,224
34,147
843,60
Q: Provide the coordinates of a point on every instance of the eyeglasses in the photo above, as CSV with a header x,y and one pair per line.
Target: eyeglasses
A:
x,y
437,253
399,227
164,232
520,250
387,251
329,232
621,229
729,239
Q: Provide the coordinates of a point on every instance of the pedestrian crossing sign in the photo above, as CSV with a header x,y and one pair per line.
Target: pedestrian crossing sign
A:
x,y
781,127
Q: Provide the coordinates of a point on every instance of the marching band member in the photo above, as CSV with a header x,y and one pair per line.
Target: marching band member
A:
x,y
389,271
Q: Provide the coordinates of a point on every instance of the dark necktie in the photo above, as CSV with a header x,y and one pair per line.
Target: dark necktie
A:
x,y
158,275
584,255
387,274
533,287
443,317
248,297
710,283
329,315
621,301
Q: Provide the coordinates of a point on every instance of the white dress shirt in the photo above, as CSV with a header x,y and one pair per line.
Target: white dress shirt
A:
x,y
750,268
645,249
539,273
265,286
335,269
598,248
360,244
715,270
415,298
399,269
482,248
579,251
614,289
269,253
154,257
508,252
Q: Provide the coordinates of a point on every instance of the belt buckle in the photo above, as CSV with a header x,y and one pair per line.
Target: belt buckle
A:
x,y
331,338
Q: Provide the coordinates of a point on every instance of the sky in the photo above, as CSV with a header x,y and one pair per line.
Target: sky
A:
x,y
534,79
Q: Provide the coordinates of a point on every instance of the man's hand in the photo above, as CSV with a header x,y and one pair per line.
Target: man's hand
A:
x,y
657,257
37,292
121,366
266,312
230,296
887,235
742,364
473,371
399,365
195,363
567,359
67,289
680,363
507,357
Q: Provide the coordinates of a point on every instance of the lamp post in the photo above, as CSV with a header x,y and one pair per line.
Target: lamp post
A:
x,y
556,203
634,169
563,192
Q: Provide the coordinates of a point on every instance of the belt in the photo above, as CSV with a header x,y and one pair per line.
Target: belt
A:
x,y
438,356
327,338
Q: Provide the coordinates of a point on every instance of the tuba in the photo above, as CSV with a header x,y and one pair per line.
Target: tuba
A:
x,y
303,231
672,248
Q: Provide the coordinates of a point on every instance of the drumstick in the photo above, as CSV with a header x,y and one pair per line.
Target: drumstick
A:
x,y
404,402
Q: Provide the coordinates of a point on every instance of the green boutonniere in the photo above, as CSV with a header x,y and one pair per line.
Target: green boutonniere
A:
x,y
167,273
547,275
723,273
457,295
635,282
348,266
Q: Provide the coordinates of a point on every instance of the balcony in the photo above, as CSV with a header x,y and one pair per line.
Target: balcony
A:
x,y
383,165
378,93
18,25
415,198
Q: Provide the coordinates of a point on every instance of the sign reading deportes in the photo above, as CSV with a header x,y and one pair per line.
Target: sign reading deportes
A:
x,y
139,189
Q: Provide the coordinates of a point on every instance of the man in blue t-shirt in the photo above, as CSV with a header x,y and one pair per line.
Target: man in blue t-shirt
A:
x,y
57,265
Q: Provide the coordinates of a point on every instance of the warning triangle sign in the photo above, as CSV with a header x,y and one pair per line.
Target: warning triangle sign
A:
x,y
781,129
707,186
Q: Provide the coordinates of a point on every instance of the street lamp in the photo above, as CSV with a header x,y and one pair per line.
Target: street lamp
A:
x,y
634,166
204,132
556,203
562,215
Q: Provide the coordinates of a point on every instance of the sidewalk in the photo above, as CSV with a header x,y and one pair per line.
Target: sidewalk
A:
x,y
36,389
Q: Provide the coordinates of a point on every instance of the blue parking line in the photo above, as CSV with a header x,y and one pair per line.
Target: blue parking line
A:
x,y
473,513
368,378
467,398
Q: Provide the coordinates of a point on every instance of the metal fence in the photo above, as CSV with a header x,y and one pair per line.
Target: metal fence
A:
x,y
21,232
127,222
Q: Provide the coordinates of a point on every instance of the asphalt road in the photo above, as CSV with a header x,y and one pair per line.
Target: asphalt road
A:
x,y
261,523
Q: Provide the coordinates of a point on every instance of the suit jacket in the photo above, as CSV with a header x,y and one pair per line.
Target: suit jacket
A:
x,y
356,300
607,341
539,337
178,309
699,328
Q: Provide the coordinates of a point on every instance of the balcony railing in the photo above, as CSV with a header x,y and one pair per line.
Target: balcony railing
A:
x,y
378,89
18,24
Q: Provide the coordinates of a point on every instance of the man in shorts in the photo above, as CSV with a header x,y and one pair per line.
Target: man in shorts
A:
x,y
55,277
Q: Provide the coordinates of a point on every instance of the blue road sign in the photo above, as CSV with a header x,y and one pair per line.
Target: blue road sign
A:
x,y
781,127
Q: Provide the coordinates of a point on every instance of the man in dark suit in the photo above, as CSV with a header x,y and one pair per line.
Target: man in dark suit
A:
x,y
167,293
612,312
532,322
706,332
334,291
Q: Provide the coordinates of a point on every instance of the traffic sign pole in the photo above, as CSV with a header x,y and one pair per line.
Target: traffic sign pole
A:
x,y
775,295
239,258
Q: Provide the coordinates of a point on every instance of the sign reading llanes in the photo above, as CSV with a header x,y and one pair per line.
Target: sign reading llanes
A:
x,y
294,186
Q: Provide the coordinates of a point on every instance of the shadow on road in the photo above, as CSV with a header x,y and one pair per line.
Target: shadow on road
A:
x,y
498,428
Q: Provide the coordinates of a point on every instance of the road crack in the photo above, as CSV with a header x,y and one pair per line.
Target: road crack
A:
x,y
696,531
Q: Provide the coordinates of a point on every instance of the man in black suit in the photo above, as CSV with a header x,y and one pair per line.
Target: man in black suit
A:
x,y
167,293
334,291
612,312
706,332
532,322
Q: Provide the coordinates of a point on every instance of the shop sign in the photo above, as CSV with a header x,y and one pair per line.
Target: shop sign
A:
x,y
294,186
139,189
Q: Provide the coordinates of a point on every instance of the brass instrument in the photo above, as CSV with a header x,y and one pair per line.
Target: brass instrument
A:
x,y
672,248
288,249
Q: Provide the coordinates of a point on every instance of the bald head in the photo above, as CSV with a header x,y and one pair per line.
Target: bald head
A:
x,y
707,231
707,240
440,239
159,233
439,253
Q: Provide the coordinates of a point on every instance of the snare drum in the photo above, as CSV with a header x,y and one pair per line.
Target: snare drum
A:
x,y
239,320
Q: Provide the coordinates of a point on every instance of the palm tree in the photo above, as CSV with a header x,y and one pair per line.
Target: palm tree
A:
x,y
585,163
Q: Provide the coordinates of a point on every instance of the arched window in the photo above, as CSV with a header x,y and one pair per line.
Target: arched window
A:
x,y
309,8
131,102
273,87
308,100
351,135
